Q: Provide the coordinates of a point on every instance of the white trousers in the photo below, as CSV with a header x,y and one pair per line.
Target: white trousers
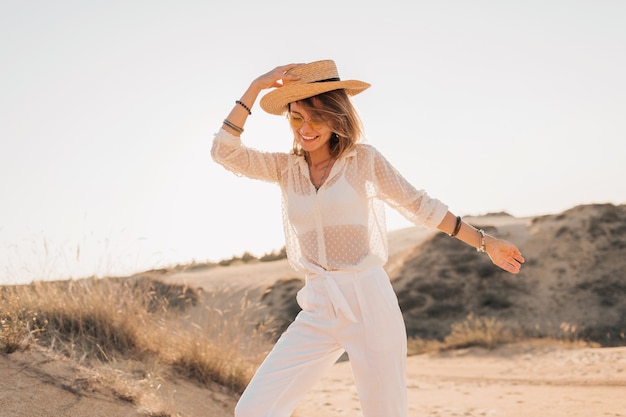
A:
x,y
353,311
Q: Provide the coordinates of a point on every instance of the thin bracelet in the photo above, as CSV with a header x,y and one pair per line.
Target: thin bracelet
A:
x,y
457,227
233,126
481,248
244,106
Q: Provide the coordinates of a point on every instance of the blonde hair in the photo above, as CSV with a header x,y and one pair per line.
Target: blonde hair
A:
x,y
336,110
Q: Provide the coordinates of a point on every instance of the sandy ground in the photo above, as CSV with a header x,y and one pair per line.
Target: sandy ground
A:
x,y
38,383
517,380
34,384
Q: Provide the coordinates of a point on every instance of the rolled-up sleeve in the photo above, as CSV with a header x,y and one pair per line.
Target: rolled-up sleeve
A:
x,y
415,205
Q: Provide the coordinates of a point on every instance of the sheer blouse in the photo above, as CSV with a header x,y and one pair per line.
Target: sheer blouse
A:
x,y
342,225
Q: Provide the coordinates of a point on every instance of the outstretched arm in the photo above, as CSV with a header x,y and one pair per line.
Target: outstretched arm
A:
x,y
502,253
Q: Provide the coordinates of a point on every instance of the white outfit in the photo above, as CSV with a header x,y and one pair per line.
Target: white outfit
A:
x,y
338,237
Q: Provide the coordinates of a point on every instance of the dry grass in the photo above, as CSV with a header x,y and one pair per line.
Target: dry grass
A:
x,y
486,332
489,333
99,319
217,337
239,341
206,337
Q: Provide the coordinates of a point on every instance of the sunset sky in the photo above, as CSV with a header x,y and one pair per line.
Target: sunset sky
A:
x,y
108,108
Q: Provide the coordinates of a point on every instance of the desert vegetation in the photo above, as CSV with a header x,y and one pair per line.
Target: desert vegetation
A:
x,y
213,338
128,330
245,258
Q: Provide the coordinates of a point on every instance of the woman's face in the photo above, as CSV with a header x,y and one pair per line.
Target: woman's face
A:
x,y
313,134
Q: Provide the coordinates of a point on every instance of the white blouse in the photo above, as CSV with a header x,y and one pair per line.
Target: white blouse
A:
x,y
342,225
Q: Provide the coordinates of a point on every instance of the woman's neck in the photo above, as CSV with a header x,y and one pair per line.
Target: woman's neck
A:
x,y
320,157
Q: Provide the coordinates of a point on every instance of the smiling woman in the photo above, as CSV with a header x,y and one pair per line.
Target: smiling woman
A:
x,y
95,95
333,192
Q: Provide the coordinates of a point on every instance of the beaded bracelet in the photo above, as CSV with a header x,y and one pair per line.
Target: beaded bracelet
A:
x,y
481,248
244,106
457,227
233,126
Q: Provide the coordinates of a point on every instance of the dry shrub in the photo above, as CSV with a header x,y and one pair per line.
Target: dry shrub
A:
x,y
18,325
417,346
84,319
489,332
563,334
229,344
159,296
485,332
107,320
206,363
473,331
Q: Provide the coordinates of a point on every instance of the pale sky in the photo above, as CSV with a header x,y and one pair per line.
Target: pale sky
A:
x,y
108,108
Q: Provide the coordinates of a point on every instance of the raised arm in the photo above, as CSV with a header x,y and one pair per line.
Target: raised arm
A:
x,y
237,117
229,151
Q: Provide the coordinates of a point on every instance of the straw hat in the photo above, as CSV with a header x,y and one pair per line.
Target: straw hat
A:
x,y
315,78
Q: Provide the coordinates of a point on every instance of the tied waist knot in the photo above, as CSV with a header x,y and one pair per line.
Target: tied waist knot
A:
x,y
337,299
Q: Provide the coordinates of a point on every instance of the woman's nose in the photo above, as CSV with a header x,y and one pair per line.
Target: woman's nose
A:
x,y
306,124
305,128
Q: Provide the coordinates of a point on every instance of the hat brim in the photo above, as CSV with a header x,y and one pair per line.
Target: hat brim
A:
x,y
275,102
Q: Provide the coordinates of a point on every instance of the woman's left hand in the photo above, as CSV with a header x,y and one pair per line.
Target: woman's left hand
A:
x,y
504,254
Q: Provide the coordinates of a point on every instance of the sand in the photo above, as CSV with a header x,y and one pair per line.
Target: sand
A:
x,y
518,380
574,274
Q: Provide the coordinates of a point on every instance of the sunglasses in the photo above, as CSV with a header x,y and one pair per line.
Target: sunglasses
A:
x,y
298,122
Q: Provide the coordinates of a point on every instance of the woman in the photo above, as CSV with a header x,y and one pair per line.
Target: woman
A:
x,y
333,189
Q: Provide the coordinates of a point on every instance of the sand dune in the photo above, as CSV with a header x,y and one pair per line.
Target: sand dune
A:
x,y
574,281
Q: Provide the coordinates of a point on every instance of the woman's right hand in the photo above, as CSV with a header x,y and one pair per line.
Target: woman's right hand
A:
x,y
276,77
273,79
